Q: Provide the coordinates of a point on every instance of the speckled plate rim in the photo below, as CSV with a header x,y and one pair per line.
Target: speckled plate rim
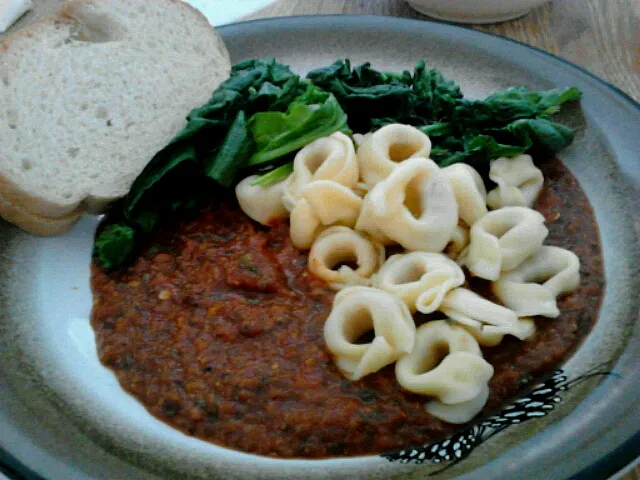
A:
x,y
629,166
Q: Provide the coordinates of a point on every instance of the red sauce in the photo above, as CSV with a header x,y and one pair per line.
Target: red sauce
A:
x,y
217,329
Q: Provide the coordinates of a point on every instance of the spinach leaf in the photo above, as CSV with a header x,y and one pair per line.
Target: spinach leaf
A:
x,y
277,133
159,189
233,153
541,134
436,97
515,103
114,245
210,140
364,93
438,129
477,151
274,176
514,139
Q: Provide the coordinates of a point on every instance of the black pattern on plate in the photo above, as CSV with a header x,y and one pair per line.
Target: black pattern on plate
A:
x,y
541,400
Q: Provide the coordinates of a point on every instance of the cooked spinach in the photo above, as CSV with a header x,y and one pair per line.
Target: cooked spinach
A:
x,y
435,97
215,141
314,115
261,113
364,93
114,245
513,104
234,152
274,176
505,123
259,117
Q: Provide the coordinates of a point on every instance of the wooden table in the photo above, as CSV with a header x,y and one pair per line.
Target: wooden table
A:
x,y
602,36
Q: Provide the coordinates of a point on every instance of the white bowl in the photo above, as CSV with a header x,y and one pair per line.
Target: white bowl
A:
x,y
475,11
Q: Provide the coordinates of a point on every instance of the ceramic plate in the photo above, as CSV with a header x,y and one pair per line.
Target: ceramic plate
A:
x,y
63,416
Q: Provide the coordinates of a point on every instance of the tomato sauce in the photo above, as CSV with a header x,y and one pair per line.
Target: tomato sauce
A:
x,y
217,329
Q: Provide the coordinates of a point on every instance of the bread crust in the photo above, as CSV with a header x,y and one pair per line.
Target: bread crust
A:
x,y
33,224
36,206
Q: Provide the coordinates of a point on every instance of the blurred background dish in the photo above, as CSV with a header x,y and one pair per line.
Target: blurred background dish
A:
x,y
220,12
465,11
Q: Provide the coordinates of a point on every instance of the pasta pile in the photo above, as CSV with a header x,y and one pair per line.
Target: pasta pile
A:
x,y
348,206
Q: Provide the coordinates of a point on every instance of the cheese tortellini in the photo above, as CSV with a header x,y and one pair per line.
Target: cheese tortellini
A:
x,y
319,191
459,241
339,247
503,239
358,310
420,279
488,322
532,288
414,206
446,363
262,204
459,412
329,158
519,182
348,203
469,191
381,151
322,203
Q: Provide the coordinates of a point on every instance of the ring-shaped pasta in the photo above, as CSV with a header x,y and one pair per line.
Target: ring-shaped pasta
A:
x,y
458,377
359,139
488,322
368,222
501,240
381,151
469,190
339,247
459,412
328,158
532,288
304,225
419,279
458,242
322,203
358,310
332,203
519,182
414,206
262,204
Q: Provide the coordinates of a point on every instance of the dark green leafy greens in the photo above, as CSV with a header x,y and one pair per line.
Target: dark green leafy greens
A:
x,y
261,113
114,245
435,97
477,147
264,113
314,115
472,131
274,176
215,142
364,93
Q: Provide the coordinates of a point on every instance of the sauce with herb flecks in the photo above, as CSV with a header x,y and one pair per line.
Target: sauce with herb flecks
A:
x,y
217,329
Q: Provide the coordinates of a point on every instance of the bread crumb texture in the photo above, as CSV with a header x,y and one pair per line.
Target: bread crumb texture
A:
x,y
88,97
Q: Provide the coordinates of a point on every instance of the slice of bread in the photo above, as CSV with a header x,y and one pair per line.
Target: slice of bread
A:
x,y
88,96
